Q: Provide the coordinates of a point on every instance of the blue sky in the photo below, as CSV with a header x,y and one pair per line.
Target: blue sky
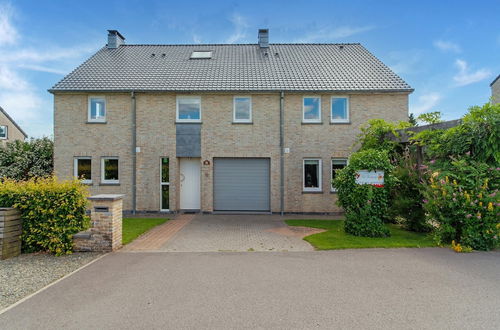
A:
x,y
449,51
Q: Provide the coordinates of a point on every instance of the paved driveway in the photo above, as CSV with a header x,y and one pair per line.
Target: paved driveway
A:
x,y
237,233
351,289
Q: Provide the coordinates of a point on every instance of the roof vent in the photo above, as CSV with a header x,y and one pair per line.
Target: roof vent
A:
x,y
264,38
115,39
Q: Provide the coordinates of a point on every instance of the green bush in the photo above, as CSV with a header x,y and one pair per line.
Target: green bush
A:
x,y
463,204
52,212
23,160
406,196
365,205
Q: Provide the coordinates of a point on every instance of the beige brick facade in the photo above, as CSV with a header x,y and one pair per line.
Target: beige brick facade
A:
x,y
495,91
220,137
13,133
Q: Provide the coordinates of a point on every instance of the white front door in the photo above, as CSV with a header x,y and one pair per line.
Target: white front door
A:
x,y
190,169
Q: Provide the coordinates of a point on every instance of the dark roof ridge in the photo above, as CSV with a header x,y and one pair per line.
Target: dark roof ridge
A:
x,y
13,121
494,81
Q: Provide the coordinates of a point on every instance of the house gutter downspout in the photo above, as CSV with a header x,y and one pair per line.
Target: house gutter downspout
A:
x,y
282,152
134,152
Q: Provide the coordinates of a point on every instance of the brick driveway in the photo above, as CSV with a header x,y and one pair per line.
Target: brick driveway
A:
x,y
225,233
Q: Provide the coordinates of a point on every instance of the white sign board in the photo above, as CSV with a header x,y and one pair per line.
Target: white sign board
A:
x,y
375,178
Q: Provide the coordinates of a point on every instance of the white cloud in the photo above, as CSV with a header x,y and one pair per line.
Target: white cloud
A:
x,y
196,39
240,27
447,46
28,104
8,34
329,34
466,77
425,103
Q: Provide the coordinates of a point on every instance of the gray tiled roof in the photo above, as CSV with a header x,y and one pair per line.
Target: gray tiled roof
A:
x,y
237,67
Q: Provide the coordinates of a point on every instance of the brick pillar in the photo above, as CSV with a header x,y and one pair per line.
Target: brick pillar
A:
x,y
106,221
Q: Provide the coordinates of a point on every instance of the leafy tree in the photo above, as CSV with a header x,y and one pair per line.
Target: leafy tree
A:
x,y
23,160
412,120
430,117
374,134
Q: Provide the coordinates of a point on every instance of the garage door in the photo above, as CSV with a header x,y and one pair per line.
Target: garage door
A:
x,y
241,184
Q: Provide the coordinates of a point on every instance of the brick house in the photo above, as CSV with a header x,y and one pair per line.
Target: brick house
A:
x,y
9,129
218,127
495,90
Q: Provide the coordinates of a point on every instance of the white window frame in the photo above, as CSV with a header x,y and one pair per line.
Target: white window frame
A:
x,y
235,120
304,120
320,175
164,184
75,168
347,119
89,110
6,132
177,109
332,189
103,170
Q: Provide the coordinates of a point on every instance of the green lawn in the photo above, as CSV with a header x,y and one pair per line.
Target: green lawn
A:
x,y
134,227
335,237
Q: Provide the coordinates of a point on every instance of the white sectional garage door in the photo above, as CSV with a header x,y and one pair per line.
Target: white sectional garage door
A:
x,y
241,184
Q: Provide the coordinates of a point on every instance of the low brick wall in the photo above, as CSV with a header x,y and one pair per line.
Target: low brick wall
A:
x,y
11,228
106,220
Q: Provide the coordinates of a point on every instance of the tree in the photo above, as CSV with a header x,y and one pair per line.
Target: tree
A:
x,y
430,117
23,160
412,120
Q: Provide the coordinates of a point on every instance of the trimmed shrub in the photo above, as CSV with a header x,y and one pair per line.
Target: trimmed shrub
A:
x,y
52,212
464,205
365,205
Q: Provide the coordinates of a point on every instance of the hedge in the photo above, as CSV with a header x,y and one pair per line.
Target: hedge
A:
x,y
52,212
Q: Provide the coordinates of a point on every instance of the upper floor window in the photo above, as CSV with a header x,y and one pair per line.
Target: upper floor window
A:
x,y
340,109
311,110
83,169
97,109
242,112
110,170
188,109
3,132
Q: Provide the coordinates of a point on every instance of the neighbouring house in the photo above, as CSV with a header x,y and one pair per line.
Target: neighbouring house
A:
x,y
9,129
495,90
220,127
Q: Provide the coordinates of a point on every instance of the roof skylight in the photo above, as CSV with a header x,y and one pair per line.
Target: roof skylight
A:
x,y
201,54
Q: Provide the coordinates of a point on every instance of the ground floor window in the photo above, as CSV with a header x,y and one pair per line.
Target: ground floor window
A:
x,y
164,184
3,132
312,175
337,164
110,170
83,169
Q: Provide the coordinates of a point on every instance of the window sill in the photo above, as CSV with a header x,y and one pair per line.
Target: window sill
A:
x,y
340,123
312,123
242,122
109,183
96,122
187,122
335,192
312,192
87,183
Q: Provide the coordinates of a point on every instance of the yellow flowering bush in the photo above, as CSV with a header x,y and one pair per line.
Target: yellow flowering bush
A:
x,y
464,205
52,212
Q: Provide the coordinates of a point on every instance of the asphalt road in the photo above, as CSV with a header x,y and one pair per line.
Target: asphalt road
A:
x,y
353,289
